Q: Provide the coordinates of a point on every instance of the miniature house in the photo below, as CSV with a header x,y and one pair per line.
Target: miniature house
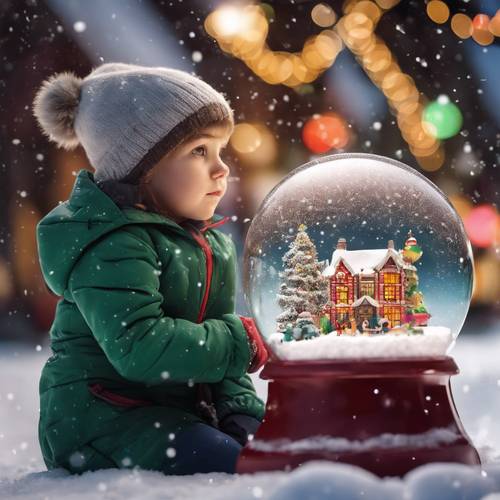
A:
x,y
366,285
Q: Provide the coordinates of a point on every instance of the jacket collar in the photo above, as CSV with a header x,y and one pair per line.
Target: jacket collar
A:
x,y
202,225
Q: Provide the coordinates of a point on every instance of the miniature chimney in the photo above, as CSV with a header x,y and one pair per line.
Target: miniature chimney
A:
x,y
342,244
390,244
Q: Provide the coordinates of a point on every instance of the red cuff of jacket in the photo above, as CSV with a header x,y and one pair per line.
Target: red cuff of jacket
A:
x,y
259,354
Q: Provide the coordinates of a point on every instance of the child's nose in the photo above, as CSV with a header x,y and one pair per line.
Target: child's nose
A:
x,y
221,170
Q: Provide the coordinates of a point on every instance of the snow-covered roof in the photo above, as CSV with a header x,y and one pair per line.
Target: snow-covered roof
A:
x,y
368,299
364,262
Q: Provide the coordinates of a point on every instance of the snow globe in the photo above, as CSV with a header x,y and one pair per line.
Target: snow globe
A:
x,y
358,273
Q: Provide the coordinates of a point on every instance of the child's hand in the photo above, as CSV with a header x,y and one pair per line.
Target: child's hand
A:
x,y
239,426
257,346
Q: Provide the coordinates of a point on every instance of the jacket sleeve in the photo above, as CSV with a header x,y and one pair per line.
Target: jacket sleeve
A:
x,y
115,285
236,394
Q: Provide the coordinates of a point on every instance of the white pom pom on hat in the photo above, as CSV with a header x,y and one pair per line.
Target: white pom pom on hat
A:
x,y
55,107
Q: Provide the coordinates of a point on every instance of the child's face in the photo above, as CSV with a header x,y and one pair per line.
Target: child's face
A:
x,y
183,179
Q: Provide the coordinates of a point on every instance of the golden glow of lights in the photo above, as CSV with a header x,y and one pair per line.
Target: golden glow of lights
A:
x,y
438,11
481,21
323,15
25,267
494,25
368,8
255,145
483,37
387,4
246,138
6,281
228,21
432,162
461,204
356,29
487,284
482,29
245,37
378,59
242,32
461,25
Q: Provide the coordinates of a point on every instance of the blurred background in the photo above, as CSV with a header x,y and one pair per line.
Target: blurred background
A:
x,y
417,81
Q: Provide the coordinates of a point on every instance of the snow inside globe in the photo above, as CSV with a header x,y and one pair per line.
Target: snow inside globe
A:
x,y
357,256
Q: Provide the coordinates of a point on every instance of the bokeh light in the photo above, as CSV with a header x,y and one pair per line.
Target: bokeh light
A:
x,y
461,24
480,22
255,145
323,15
482,29
244,36
461,204
324,132
387,4
246,138
494,25
442,118
481,33
481,225
438,11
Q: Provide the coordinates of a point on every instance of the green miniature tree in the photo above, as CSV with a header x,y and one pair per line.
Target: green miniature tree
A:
x,y
303,287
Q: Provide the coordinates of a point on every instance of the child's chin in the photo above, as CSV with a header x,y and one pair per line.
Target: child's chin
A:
x,y
206,211
204,215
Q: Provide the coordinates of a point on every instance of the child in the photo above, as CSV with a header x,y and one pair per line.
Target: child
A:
x,y
149,359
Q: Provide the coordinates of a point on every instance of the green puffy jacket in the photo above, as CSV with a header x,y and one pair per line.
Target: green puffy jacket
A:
x,y
145,324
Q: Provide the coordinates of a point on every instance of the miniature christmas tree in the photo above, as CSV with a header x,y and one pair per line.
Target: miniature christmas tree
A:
x,y
303,287
287,301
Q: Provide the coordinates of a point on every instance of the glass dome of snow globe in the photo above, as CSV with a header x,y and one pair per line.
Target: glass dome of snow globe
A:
x,y
357,256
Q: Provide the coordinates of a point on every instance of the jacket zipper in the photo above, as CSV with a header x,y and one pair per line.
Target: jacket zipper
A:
x,y
207,250
205,404
198,236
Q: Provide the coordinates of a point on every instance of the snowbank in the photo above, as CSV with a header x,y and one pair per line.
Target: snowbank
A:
x,y
315,480
476,392
325,481
435,341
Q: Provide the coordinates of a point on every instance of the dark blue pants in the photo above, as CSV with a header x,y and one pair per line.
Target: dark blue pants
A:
x,y
201,448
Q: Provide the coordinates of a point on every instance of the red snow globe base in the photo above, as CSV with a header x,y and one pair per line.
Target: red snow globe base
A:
x,y
386,416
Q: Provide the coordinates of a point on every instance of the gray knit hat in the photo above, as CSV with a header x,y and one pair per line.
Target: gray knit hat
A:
x,y
126,117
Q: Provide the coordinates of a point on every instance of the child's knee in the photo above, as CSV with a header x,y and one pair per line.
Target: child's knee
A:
x,y
201,448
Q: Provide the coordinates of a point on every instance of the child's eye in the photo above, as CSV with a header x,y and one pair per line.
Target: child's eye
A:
x,y
202,149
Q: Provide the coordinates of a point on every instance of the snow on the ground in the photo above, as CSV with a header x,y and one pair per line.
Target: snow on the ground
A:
x,y
435,341
476,392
